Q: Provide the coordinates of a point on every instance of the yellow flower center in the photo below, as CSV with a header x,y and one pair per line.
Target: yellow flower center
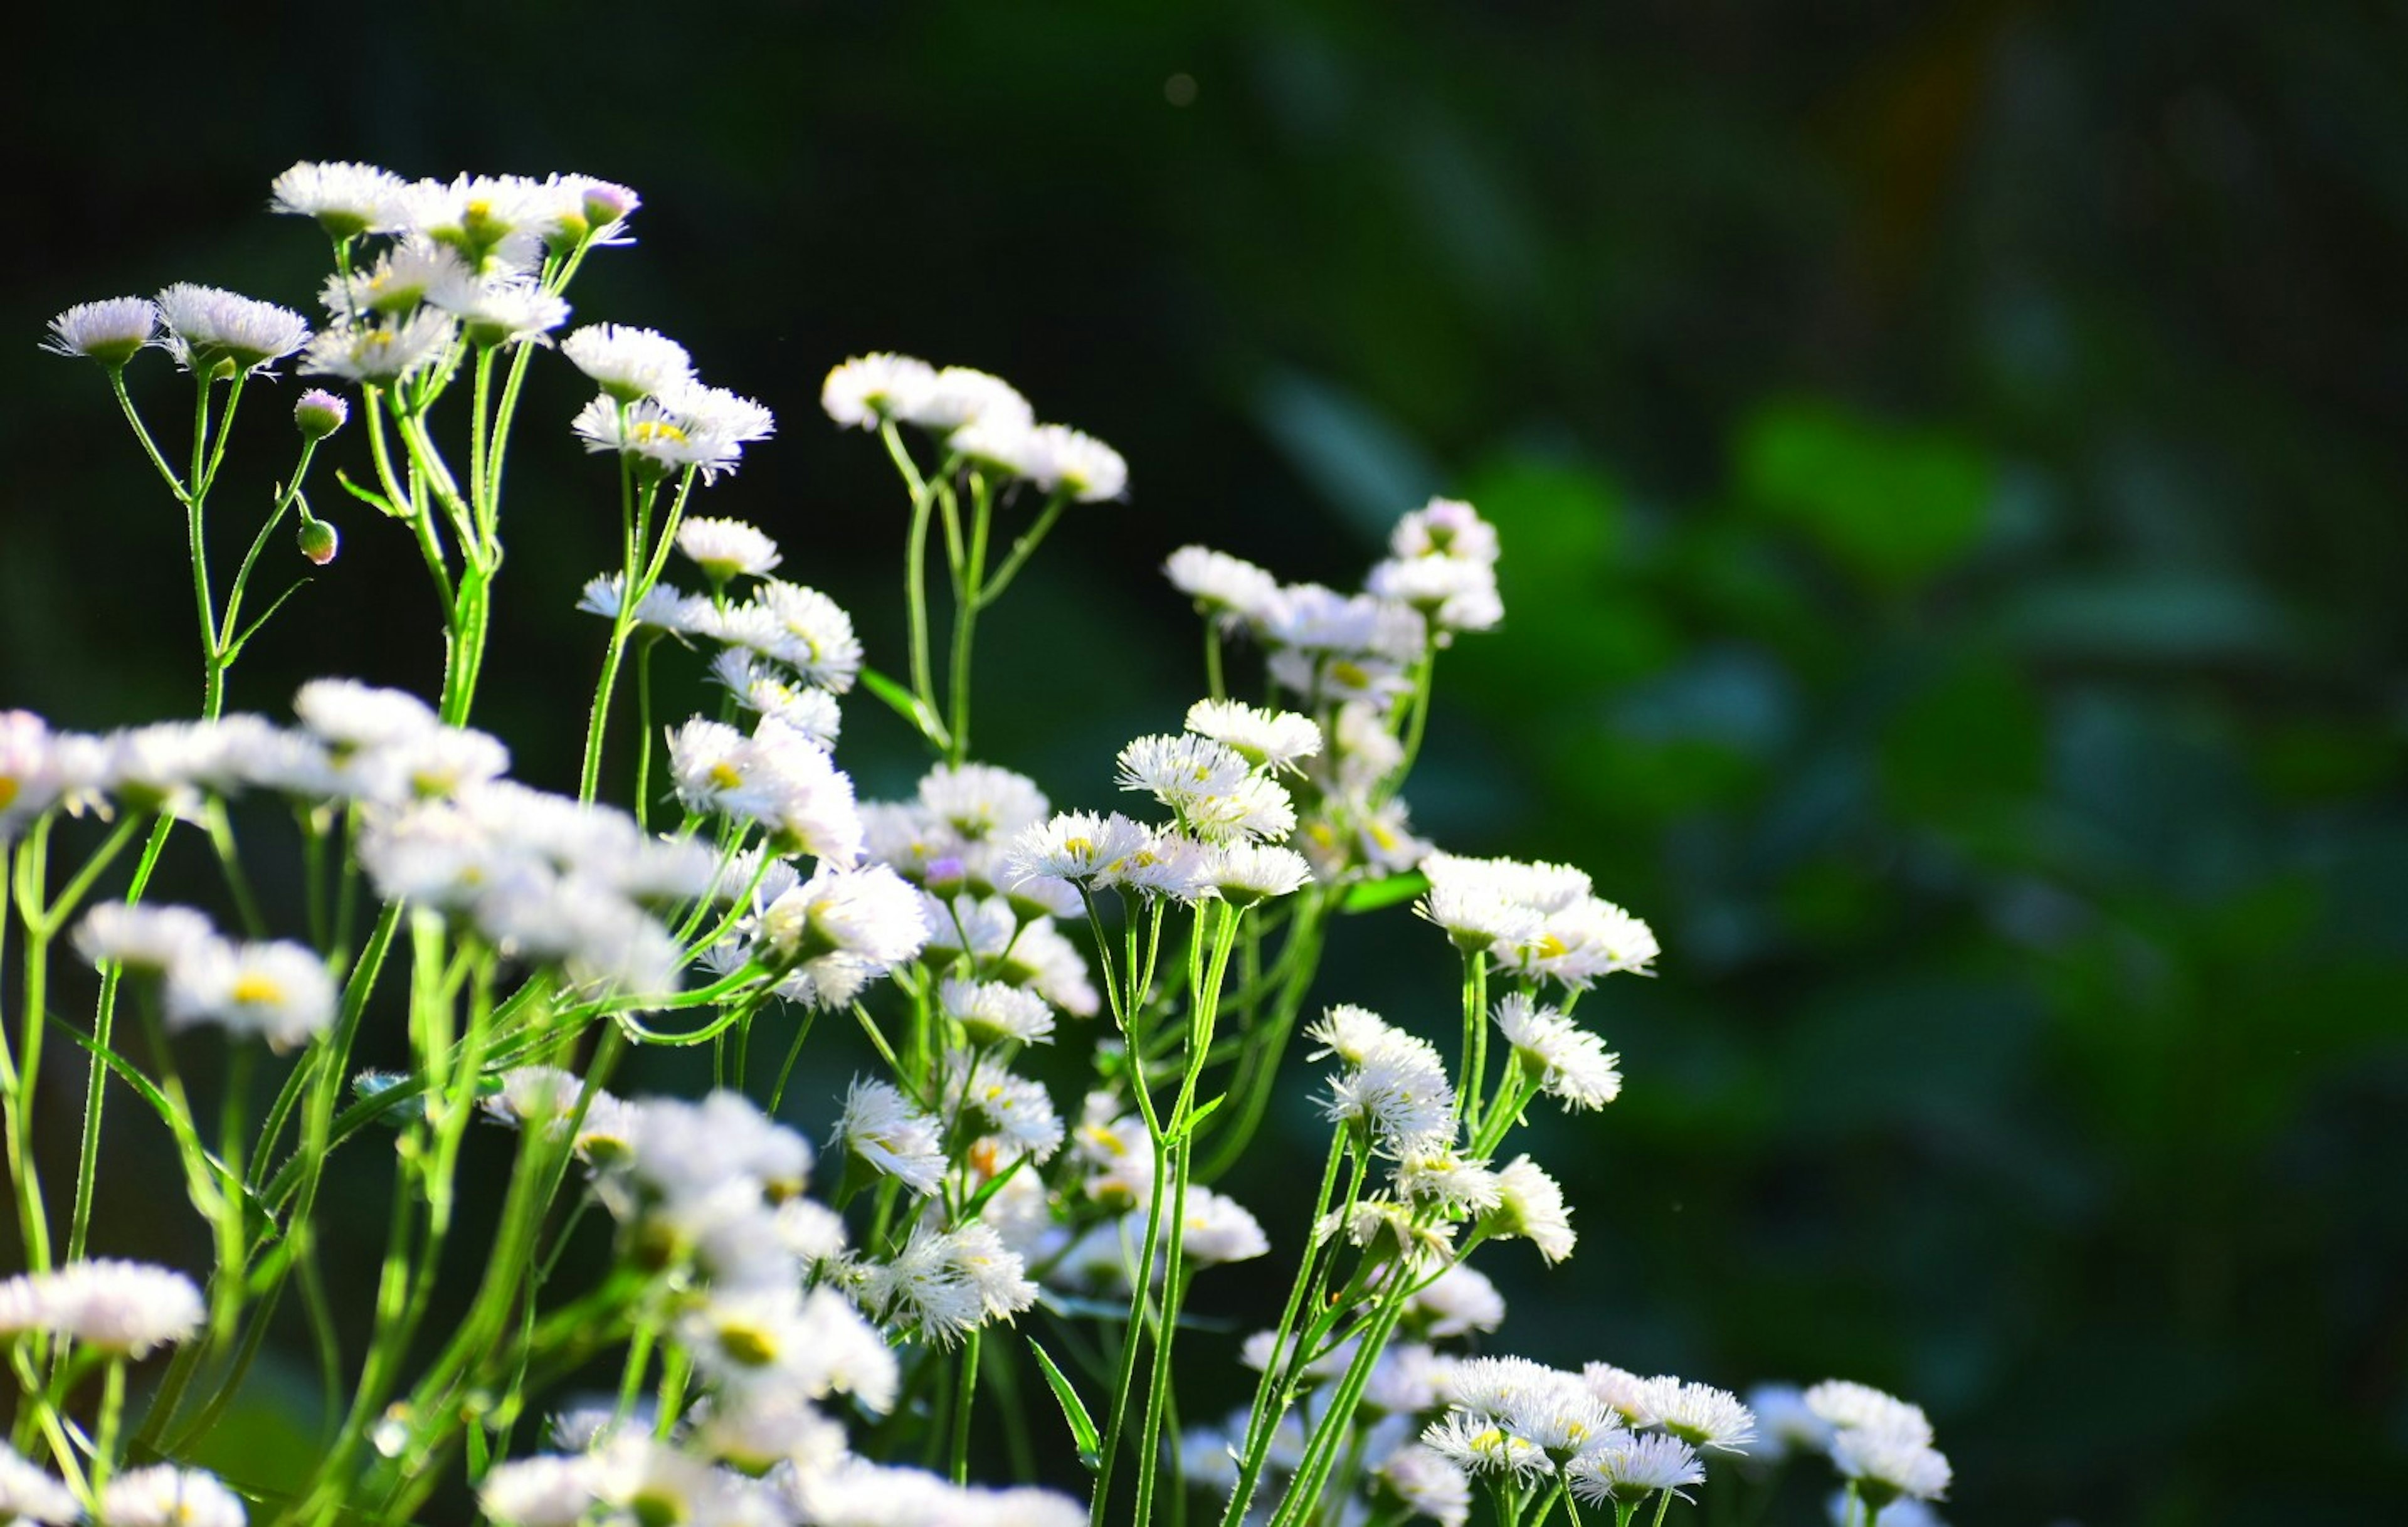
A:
x,y
248,989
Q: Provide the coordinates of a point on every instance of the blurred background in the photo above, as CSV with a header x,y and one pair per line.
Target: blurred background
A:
x,y
1950,459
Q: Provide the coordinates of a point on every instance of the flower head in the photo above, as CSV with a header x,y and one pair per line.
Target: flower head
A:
x,y
628,364
214,332
110,331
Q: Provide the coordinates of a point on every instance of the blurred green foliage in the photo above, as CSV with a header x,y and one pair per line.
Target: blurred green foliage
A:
x,y
1950,460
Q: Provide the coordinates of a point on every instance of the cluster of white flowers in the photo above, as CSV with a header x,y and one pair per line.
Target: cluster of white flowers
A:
x,y
653,411
1878,1444
276,990
979,419
123,1308
1539,920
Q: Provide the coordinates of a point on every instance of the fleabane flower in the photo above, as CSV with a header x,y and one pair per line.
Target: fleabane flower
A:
x,y
719,412
1268,738
868,389
800,627
1427,1483
1889,1463
279,991
1579,943
628,364
725,549
503,311
164,1495
663,608
1569,1062
1399,1089
948,1283
1533,1206
29,1493
1841,1404
1232,592
149,941
1482,1445
993,1013
655,439
110,331
888,1133
380,351
214,332
870,913
1217,1228
123,1307
959,396
1700,1414
347,200
1051,458
1081,847
1245,873
1629,1469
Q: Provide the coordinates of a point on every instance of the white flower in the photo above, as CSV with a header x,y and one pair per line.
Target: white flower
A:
x,y
1700,1414
1568,1061
1625,1392
1077,846
211,329
1888,1463
1400,1088
1579,943
346,714
28,1493
110,331
757,1432
1479,1443
716,410
164,1495
800,627
1786,1423
1117,1151
402,276
1014,1107
1629,1469
1349,1032
1165,864
1217,1228
1444,1177
1054,458
144,940
1451,594
846,1354
279,991
1245,873
775,777
546,1491
959,396
382,352
992,1012
1843,1404
1268,738
1478,916
1456,1303
946,1284
347,200
664,606
869,389
725,549
647,431
501,310
1234,592
1444,527
628,364
1534,1207
871,913
980,801
1427,1484
888,1132
119,1307
762,688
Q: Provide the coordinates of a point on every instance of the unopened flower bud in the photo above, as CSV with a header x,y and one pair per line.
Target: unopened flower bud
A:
x,y
319,541
317,414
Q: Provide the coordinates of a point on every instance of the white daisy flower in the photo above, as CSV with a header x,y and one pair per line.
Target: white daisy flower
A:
x,y
1349,1032
663,605
1453,595
653,437
1579,943
546,1491
379,352
1054,458
798,627
992,1012
1786,1424
1444,527
1232,591
164,1495
716,410
628,364
1445,1178
959,396
123,1308
1013,1107
1843,1404
725,549
924,1287
1080,847
1534,1207
885,1129
279,991
1268,738
1570,1063
1245,874
869,389
1427,1483
501,311
143,940
1456,1303
349,716
1217,1228
347,200
1700,1414
1629,1469
1479,1444
28,1493
1400,1089
110,331
1166,864
1887,1464
871,913
211,329
760,1432
980,801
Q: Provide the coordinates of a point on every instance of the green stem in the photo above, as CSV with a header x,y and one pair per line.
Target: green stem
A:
x,y
966,1393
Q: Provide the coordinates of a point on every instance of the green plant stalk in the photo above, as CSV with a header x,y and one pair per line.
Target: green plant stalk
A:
x,y
967,597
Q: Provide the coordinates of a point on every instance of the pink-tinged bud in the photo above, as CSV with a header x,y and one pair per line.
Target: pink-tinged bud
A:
x,y
317,414
319,541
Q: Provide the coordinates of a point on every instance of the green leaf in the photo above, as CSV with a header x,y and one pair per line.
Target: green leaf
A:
x,y
370,496
1083,1426
181,1128
1371,895
1896,505
905,705
1201,1111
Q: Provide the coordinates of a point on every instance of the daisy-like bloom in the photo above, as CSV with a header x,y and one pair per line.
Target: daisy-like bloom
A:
x,y
1386,1228
123,1307
683,1150
1218,1229
717,410
1533,1206
1056,458
1245,874
652,438
1629,1469
1233,592
992,1012
887,1130
1700,1415
1482,1443
868,389
664,606
501,311
959,396
212,331
381,352
1888,1463
1579,943
164,1495
1444,527
1452,594
1478,916
1116,1150
1014,1107
1266,738
798,627
871,913
1349,1032
775,777
348,715
1841,1404
947,1284
1178,770
1456,1303
1166,864
1626,1394
1427,1483
1400,1091
28,1493
318,413
725,549
1444,1178
347,200
142,940
1081,847
745,1336
1570,1063
545,1491
279,991
762,1432
628,364
1785,1423
496,222
110,331
762,688
980,801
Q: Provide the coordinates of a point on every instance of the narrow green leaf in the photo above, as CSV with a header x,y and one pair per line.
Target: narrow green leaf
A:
x,y
1202,1111
1371,895
1083,1426
905,705
369,495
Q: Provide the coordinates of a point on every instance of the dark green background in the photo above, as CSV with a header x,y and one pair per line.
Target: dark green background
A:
x,y
1950,459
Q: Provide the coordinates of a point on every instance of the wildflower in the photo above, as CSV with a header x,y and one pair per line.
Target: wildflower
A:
x,y
111,331
1165,864
960,396
725,549
214,332
346,199
1786,1424
1625,1392
871,913
1456,1303
1444,527
1578,944
1400,1091
142,940
653,439
1534,1207
868,389
762,1432
1889,1463
886,1131
946,1284
1700,1415
1444,1178
628,364
545,1491
1427,1483
1050,457
164,1495
1080,847
1349,1032
1016,1108
800,627
349,716
1570,1063
663,608
1268,738
1217,1228
1245,874
1232,592
381,352
123,1307
1479,1444
279,991
811,715
28,1493
501,311
774,777
1478,916
318,413
1629,1469
1843,1405
992,1012
716,410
